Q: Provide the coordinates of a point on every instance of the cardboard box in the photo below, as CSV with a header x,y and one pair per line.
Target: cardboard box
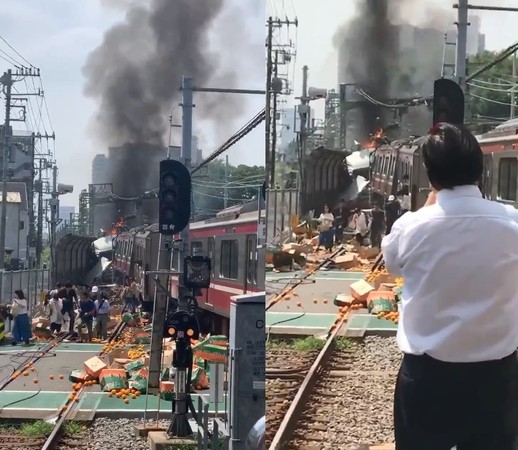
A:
x,y
386,295
368,252
94,366
347,261
383,278
360,290
118,353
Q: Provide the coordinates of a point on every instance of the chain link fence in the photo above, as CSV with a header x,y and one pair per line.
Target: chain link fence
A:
x,y
31,282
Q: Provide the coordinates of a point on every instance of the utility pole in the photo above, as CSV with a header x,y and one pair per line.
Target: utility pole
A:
x,y
462,36
7,81
273,88
269,39
513,90
39,242
274,121
54,208
187,107
225,193
303,114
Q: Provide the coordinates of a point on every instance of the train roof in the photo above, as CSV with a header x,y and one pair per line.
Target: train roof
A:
x,y
504,131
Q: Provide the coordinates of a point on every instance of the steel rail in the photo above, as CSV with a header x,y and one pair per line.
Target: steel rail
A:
x,y
277,298
53,438
38,354
299,404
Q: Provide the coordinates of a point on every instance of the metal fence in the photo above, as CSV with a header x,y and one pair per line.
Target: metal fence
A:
x,y
282,204
31,282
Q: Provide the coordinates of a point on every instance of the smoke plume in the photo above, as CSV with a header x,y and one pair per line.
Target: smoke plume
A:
x,y
135,75
380,53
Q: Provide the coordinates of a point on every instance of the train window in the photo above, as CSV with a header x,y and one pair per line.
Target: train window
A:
x,y
251,263
507,178
196,248
229,262
211,253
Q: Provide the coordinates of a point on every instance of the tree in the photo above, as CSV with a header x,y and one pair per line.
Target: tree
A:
x,y
242,183
489,93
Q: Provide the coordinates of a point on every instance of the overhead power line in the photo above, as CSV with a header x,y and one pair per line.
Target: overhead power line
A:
x,y
503,55
235,138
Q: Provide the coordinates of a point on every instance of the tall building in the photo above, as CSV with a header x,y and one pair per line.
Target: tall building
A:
x,y
100,169
65,211
476,41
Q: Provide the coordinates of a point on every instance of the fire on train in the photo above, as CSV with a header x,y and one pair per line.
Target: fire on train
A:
x,y
398,165
229,239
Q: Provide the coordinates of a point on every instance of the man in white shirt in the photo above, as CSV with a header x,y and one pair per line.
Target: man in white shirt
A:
x,y
458,328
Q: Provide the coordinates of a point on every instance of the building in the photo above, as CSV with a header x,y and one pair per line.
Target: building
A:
x,y
476,41
17,224
65,211
100,169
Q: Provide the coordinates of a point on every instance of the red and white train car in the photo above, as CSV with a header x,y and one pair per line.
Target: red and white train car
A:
x,y
229,239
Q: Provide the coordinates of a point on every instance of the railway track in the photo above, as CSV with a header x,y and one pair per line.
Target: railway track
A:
x,y
282,383
340,398
58,438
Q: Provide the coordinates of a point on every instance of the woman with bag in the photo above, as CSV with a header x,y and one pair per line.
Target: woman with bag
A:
x,y
22,326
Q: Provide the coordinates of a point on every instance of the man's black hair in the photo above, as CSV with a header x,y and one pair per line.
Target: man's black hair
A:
x,y
452,156
68,285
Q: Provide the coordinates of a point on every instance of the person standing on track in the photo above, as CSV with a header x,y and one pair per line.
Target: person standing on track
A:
x,y
56,316
102,308
69,298
458,381
325,227
392,212
377,225
87,308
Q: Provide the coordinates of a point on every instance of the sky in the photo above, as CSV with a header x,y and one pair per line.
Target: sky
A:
x,y
57,36
318,25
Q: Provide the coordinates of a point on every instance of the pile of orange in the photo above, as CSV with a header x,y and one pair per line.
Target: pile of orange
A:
x,y
392,316
124,394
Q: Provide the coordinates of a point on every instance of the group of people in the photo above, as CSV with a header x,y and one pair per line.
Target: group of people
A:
x,y
331,226
93,308
62,307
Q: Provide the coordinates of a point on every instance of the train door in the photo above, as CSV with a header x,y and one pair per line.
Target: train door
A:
x,y
251,263
487,176
420,183
504,179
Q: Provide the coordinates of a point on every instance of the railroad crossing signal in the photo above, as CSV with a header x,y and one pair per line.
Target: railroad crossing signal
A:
x,y
174,197
448,102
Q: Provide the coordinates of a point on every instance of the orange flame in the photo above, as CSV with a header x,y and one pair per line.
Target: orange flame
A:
x,y
117,227
373,143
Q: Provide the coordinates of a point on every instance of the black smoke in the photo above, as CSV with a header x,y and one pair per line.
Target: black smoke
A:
x,y
373,54
135,75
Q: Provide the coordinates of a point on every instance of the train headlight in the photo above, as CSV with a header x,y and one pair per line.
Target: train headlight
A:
x,y
197,272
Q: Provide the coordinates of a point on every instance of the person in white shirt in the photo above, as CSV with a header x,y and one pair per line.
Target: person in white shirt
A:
x,y
56,316
102,308
458,327
325,227
360,226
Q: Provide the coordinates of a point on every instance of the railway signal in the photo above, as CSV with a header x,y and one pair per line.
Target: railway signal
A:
x,y
174,197
448,102
183,327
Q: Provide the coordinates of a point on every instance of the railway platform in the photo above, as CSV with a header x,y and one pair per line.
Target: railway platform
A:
x,y
310,309
46,389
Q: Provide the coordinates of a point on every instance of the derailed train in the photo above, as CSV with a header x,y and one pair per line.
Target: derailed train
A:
x,y
398,165
229,239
